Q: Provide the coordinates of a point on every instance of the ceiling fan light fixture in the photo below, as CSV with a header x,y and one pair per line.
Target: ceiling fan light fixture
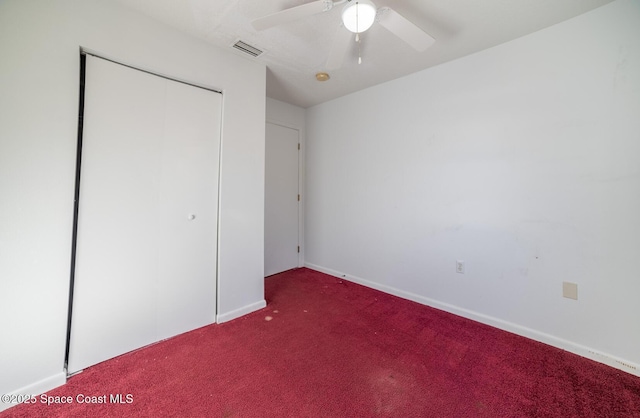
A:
x,y
358,15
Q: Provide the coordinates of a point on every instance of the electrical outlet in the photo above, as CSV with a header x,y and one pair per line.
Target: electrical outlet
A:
x,y
460,266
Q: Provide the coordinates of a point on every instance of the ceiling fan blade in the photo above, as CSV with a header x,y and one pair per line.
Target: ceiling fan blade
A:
x,y
397,24
294,13
339,48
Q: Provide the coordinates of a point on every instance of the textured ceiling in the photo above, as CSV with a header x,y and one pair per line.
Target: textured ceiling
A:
x,y
296,51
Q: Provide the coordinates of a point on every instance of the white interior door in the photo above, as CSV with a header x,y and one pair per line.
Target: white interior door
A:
x,y
147,221
281,199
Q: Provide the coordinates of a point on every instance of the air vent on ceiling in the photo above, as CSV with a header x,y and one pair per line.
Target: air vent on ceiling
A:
x,y
247,49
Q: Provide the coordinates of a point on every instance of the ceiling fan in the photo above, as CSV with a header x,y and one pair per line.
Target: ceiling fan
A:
x,y
357,17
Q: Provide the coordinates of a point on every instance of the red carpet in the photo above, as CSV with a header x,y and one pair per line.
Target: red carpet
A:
x,y
336,349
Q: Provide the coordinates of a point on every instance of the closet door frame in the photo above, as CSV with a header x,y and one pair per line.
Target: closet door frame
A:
x,y
77,197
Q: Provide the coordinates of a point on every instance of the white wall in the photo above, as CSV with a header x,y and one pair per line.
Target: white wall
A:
x,y
285,114
291,116
39,73
521,160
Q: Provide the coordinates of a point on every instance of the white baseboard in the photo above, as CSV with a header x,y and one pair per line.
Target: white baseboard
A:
x,y
592,354
37,388
228,316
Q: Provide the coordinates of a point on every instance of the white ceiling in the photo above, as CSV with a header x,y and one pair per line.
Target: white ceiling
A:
x,y
296,51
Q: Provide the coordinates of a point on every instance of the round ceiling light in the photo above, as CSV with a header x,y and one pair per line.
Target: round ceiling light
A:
x,y
322,76
358,15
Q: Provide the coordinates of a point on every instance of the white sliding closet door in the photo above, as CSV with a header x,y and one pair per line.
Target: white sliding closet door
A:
x,y
147,222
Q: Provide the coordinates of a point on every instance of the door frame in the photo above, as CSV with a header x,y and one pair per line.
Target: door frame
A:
x,y
301,158
78,166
